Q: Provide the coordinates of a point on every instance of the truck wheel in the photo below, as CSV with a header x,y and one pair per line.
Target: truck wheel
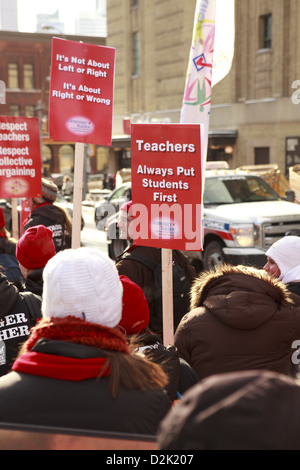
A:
x,y
213,255
116,247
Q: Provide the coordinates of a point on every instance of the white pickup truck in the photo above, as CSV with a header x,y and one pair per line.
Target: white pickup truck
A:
x,y
243,217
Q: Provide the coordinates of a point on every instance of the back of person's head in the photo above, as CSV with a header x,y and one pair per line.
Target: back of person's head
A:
x,y
286,254
82,283
245,410
135,311
49,192
35,247
82,304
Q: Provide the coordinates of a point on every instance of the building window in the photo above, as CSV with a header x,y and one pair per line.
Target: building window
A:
x,y
136,54
29,110
28,81
266,32
13,76
14,110
46,160
262,156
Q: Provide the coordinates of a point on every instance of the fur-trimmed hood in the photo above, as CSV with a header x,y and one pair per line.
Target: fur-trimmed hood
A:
x,y
241,297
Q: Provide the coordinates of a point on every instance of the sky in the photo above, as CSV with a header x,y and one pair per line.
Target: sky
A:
x,y
69,11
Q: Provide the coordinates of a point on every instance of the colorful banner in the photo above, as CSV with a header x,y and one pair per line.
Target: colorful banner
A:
x,y
224,40
197,94
81,92
166,185
20,157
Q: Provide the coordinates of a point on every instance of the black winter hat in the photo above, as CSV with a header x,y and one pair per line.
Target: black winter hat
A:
x,y
248,410
49,192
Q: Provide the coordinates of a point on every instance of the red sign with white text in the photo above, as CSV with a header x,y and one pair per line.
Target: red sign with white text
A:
x,y
167,185
20,157
81,92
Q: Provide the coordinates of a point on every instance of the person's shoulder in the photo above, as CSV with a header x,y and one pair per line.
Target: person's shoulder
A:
x,y
149,251
193,318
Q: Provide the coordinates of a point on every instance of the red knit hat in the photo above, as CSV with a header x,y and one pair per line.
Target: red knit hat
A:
x,y
2,219
135,312
35,247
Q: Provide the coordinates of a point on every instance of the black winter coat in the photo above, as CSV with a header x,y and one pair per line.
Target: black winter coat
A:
x,y
34,281
143,276
180,374
9,264
85,404
294,287
16,320
52,217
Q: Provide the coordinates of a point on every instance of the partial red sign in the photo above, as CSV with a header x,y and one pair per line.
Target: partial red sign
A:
x,y
81,92
20,157
167,185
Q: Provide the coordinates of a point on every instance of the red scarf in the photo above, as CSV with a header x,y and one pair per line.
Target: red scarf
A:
x,y
73,330
41,204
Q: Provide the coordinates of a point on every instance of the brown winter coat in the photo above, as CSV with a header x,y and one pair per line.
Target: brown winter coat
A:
x,y
240,319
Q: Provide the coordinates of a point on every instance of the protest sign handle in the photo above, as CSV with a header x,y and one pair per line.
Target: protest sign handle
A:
x,y
77,195
167,294
15,218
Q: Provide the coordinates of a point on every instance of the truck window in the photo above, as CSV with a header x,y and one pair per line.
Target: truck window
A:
x,y
215,192
233,190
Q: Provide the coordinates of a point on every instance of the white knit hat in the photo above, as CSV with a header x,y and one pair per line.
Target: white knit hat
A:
x,y
84,283
286,254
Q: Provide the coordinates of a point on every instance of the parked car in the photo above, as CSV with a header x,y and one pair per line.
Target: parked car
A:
x,y
111,204
237,228
116,244
95,182
62,202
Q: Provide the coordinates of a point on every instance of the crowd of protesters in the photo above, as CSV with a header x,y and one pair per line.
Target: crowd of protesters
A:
x,y
79,347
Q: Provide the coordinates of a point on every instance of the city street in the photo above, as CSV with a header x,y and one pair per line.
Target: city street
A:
x,y
90,236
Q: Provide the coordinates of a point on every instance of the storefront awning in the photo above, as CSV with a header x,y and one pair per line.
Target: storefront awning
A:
x,y
222,137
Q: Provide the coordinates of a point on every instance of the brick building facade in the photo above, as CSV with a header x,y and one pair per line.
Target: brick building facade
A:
x,y
25,70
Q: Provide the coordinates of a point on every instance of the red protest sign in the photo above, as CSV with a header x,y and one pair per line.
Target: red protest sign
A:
x,y
25,212
81,92
20,157
167,185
